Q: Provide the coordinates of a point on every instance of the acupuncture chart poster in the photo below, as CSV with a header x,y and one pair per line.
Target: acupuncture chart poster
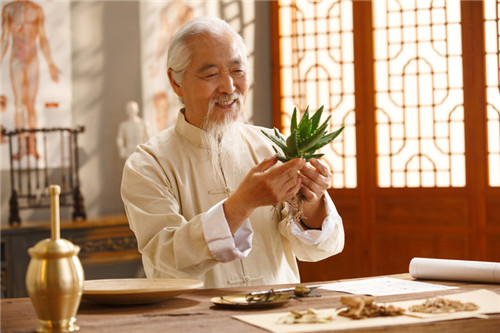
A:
x,y
35,85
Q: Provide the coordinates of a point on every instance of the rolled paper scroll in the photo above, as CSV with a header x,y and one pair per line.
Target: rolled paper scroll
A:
x,y
455,270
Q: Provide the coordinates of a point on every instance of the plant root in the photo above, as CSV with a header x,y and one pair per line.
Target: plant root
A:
x,y
296,206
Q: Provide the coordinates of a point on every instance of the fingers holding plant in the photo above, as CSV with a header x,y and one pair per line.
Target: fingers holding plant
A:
x,y
280,183
315,178
306,137
268,185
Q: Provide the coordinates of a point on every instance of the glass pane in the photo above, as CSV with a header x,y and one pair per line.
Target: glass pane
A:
x,y
316,46
418,91
492,37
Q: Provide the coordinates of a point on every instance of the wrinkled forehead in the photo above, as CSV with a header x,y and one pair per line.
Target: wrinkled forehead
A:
x,y
207,47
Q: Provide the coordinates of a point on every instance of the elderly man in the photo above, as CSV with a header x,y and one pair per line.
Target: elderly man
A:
x,y
205,198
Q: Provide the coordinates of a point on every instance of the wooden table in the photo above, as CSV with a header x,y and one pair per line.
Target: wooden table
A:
x,y
193,312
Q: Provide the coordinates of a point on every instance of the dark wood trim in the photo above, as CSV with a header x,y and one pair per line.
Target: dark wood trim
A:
x,y
364,87
474,74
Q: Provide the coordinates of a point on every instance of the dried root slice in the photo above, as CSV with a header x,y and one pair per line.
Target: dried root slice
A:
x,y
443,305
304,317
361,307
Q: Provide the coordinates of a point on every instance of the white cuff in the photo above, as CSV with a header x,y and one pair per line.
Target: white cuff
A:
x,y
313,236
221,243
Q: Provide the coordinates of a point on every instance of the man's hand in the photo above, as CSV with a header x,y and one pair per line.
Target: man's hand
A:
x,y
263,186
315,180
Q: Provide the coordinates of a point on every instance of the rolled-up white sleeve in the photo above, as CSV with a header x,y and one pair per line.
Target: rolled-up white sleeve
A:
x,y
222,244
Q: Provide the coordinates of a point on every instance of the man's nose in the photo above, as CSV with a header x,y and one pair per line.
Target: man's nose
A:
x,y
226,83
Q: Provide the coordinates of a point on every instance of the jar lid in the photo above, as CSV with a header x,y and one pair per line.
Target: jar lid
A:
x,y
53,248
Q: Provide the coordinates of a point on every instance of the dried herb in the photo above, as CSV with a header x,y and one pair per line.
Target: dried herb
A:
x,y
443,305
361,307
267,297
305,317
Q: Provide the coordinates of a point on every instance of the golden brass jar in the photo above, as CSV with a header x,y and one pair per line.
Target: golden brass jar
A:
x,y
54,279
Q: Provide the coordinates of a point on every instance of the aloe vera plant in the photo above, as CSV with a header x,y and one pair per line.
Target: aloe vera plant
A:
x,y
305,138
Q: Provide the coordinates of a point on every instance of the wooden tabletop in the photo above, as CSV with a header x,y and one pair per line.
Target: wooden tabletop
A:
x,y
194,312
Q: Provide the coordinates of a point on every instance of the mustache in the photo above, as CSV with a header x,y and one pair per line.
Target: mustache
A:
x,y
226,98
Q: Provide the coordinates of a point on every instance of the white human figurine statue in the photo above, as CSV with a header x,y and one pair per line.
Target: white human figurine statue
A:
x,y
132,131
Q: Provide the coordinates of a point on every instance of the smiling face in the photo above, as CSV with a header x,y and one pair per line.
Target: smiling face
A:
x,y
215,77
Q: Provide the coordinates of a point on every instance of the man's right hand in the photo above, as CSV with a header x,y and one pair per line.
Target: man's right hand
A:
x,y
262,186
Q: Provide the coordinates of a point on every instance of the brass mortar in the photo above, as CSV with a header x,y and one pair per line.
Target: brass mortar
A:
x,y
55,276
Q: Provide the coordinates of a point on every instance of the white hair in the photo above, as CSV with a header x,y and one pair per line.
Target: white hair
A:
x,y
179,56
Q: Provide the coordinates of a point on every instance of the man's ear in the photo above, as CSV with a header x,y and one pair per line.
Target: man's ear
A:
x,y
177,88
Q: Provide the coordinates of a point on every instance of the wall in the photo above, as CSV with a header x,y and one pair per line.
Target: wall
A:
x,y
106,74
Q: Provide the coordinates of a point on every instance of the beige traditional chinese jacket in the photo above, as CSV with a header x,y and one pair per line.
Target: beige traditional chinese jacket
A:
x,y
174,207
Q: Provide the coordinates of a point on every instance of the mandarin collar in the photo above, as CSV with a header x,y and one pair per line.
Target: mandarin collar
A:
x,y
188,131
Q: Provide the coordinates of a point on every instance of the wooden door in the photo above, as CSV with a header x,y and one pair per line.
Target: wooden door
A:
x,y
416,173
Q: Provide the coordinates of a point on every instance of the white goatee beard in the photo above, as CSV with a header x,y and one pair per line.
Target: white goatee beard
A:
x,y
226,146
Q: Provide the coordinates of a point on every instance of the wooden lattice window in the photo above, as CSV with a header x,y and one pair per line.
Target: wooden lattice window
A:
x,y
419,94
316,68
417,84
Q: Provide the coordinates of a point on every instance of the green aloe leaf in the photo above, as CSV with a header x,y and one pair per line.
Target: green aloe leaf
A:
x,y
279,135
305,137
308,157
314,137
326,139
315,118
278,154
278,141
293,125
282,158
291,143
304,126
287,155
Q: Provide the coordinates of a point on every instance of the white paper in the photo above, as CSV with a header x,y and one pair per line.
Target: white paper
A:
x,y
383,286
488,302
455,270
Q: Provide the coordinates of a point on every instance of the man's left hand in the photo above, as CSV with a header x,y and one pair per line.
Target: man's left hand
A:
x,y
316,177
